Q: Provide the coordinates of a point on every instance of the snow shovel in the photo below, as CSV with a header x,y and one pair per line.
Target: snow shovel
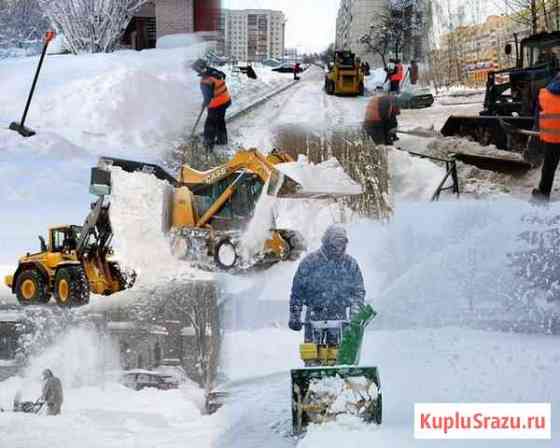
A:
x,y
20,127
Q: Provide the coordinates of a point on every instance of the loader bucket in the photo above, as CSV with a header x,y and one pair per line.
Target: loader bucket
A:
x,y
320,394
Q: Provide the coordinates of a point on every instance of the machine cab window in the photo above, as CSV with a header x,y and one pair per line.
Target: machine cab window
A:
x,y
64,239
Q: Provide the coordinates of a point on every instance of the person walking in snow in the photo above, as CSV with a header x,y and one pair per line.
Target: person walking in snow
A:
x,y
328,282
380,120
216,99
549,134
52,393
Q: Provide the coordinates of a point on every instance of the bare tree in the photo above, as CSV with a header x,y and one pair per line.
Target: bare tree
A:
x,y
93,26
526,12
195,306
394,29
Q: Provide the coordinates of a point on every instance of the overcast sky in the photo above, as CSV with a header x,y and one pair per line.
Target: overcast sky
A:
x,y
310,24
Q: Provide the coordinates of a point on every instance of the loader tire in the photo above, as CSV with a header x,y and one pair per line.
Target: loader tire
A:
x,y
71,287
225,254
31,288
330,87
361,90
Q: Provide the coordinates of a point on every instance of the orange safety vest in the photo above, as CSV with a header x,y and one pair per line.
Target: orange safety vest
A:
x,y
549,117
373,110
221,94
399,73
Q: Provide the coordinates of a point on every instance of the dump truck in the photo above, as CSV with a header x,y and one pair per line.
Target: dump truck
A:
x,y
75,262
345,75
508,118
204,213
333,382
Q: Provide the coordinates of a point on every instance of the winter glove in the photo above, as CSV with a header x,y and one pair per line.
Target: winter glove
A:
x,y
295,323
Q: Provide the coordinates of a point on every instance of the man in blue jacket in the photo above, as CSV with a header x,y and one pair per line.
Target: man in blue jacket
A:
x,y
328,282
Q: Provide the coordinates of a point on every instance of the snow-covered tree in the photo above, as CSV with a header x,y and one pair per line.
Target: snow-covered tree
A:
x,y
22,23
93,26
395,30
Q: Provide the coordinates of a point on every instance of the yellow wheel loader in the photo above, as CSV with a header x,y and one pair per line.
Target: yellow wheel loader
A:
x,y
72,264
345,76
204,213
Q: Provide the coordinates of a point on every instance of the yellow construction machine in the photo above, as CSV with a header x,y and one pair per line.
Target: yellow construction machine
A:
x,y
345,76
73,263
205,213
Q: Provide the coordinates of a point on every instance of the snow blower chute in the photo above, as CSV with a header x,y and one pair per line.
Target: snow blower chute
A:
x,y
332,383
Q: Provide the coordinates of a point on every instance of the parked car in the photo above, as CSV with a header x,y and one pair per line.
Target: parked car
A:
x,y
287,68
417,98
271,62
139,379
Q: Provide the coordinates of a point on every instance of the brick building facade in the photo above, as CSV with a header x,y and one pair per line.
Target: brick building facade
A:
x,y
158,18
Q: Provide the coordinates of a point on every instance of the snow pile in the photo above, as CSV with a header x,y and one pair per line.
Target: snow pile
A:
x,y
326,177
136,216
179,40
258,229
336,395
413,178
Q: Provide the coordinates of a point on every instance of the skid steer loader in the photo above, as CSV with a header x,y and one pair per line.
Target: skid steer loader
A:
x,y
332,383
204,213
73,263
345,76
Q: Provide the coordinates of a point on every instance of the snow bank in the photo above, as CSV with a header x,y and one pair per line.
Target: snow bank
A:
x,y
179,40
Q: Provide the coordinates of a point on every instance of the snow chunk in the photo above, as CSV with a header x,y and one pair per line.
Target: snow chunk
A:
x,y
325,177
136,217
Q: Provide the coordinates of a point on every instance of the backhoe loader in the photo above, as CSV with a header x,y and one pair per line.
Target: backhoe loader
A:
x,y
73,263
204,213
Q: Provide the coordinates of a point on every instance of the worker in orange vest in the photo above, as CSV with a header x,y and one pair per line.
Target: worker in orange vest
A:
x,y
216,99
380,121
396,78
549,133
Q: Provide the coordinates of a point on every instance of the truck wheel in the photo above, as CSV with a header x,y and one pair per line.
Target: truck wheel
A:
x,y
225,254
31,288
71,287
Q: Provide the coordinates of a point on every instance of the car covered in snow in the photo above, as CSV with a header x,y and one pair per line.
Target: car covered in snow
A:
x,y
139,379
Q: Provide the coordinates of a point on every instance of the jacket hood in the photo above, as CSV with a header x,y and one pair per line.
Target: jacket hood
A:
x,y
334,242
554,86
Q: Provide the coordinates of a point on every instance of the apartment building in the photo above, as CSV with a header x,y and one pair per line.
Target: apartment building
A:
x,y
467,54
252,35
356,18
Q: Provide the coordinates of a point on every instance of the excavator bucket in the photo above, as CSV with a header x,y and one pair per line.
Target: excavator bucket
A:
x,y
320,394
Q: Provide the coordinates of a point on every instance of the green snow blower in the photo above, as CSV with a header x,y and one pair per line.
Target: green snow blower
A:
x,y
332,383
